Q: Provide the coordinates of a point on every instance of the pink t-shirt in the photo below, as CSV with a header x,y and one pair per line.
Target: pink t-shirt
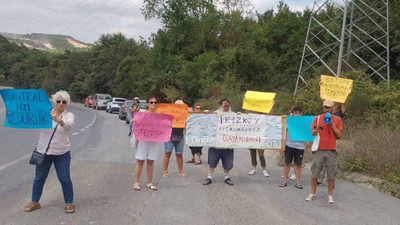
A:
x,y
327,139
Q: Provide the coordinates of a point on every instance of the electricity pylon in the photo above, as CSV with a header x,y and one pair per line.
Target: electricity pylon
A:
x,y
346,35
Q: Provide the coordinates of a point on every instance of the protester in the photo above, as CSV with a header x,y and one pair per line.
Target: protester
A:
x,y
58,148
176,141
196,150
337,110
294,151
146,150
328,131
225,154
134,108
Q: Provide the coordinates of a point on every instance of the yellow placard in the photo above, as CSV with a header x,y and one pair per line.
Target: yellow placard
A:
x,y
335,88
179,111
258,101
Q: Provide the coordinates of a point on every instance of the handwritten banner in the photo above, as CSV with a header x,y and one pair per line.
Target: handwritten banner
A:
x,y
335,88
153,127
241,130
258,101
299,128
275,132
178,111
27,108
201,130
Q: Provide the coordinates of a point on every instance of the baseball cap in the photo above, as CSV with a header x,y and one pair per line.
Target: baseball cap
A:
x,y
179,102
328,103
136,98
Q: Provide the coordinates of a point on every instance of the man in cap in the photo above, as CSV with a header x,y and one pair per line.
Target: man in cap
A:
x,y
328,131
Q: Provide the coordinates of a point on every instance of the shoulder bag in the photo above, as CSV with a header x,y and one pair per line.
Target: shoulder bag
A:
x,y
315,144
37,158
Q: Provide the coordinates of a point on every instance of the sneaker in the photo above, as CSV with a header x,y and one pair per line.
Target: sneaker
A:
x,y
165,173
182,173
207,181
229,181
330,199
310,197
252,172
265,173
292,176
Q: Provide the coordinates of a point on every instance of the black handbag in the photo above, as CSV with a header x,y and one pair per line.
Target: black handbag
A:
x,y
37,158
176,138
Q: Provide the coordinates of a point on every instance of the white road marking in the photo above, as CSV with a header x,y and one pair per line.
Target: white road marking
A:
x,y
15,161
75,133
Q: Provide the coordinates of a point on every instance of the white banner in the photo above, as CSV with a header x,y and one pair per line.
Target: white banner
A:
x,y
201,129
241,130
274,132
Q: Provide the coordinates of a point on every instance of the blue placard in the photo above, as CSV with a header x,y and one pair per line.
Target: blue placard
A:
x,y
27,108
299,128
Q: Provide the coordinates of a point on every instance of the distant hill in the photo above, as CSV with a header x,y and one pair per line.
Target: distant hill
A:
x,y
46,42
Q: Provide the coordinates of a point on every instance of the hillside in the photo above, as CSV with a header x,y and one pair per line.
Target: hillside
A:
x,y
46,42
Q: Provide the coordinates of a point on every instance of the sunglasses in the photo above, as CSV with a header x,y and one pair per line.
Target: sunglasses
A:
x,y
152,102
63,102
198,108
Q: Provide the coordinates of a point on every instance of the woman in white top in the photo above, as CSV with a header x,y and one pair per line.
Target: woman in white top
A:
x,y
58,152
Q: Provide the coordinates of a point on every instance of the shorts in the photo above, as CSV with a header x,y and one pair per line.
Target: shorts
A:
x,y
225,154
322,158
147,150
196,150
169,145
293,153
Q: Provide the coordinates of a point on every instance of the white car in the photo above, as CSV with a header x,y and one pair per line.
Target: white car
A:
x,y
115,104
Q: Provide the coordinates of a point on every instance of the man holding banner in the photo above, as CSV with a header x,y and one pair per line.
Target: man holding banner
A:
x,y
225,154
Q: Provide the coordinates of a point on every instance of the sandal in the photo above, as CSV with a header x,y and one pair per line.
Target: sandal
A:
x,y
283,184
32,206
297,185
198,162
190,161
151,187
136,187
69,208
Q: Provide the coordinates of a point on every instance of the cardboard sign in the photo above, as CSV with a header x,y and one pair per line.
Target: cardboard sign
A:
x,y
258,101
153,127
335,88
27,108
276,133
299,128
178,111
201,130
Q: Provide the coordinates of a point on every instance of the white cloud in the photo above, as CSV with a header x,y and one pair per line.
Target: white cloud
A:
x,y
86,20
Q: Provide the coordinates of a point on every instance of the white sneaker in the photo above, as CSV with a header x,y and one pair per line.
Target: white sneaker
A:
x,y
292,176
252,172
265,173
330,199
310,197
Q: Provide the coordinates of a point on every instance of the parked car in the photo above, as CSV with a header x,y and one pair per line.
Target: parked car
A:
x,y
101,100
115,104
89,101
142,105
123,111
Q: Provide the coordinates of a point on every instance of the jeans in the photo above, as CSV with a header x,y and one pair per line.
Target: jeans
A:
x,y
61,164
130,124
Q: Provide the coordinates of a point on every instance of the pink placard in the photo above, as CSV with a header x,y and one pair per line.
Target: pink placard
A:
x,y
154,127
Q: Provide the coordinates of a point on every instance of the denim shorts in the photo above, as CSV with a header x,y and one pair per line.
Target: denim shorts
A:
x,y
225,154
322,158
168,146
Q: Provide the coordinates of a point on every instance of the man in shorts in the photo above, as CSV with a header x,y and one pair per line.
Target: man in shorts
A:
x,y
293,150
328,131
225,154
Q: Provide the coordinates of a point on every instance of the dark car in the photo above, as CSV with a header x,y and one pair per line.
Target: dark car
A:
x,y
123,111
89,101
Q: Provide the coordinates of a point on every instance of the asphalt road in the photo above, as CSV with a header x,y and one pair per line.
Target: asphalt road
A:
x,y
102,174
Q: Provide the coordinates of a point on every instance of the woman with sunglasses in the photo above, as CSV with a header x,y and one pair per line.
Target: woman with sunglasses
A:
x,y
146,150
196,150
58,153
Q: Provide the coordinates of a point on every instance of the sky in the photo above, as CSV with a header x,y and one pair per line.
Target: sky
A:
x,y
86,20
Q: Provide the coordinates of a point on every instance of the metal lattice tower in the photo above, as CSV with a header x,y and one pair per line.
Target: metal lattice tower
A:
x,y
345,35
